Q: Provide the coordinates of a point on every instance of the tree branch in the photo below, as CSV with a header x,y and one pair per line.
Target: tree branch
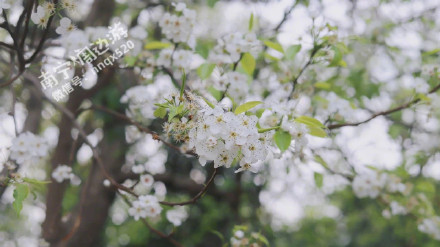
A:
x,y
383,113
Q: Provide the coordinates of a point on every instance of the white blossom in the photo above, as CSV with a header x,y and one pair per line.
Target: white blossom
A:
x,y
177,215
65,27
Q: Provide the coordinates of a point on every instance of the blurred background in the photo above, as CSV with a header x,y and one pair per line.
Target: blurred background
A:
x,y
391,56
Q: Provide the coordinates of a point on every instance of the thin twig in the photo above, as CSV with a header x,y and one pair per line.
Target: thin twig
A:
x,y
383,113
138,126
196,197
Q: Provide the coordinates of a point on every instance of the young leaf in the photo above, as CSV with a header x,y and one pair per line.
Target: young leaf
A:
x,y
155,45
130,60
323,85
337,58
248,63
35,181
251,22
20,193
205,70
260,112
309,121
246,106
321,161
318,179
173,112
282,139
218,234
214,92
160,112
274,45
316,131
209,103
292,51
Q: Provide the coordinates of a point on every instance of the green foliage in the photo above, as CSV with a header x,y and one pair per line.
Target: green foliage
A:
x,y
205,70
274,45
318,179
160,112
216,93
174,111
248,63
282,139
155,45
246,106
21,192
292,51
251,22
316,128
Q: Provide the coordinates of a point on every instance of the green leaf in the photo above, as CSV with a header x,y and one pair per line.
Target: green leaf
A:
x,y
309,121
251,22
246,106
156,45
316,131
274,45
323,85
174,111
268,56
260,112
258,236
35,181
209,103
318,179
248,63
423,97
321,161
20,193
216,93
268,129
205,70
218,234
337,58
282,139
160,112
211,3
292,51
130,60
431,52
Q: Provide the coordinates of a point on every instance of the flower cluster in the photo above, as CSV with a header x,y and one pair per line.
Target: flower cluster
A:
x,y
243,238
64,172
230,47
369,184
45,11
224,136
141,99
65,27
145,206
372,184
177,215
431,226
234,82
297,131
179,27
27,147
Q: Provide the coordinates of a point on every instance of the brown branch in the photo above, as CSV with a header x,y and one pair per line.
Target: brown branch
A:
x,y
384,113
43,38
83,135
285,17
196,197
138,125
11,47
